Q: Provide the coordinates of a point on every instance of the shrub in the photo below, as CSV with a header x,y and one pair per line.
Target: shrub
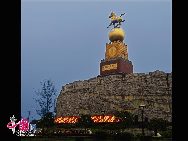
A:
x,y
125,136
166,134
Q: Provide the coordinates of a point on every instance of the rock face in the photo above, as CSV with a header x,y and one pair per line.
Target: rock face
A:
x,y
108,94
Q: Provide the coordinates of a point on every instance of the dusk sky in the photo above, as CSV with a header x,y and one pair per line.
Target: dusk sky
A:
x,y
64,41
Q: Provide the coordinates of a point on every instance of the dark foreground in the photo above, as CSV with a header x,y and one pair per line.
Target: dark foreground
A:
x,y
89,138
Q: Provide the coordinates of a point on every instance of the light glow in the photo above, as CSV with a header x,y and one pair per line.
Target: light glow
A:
x,y
95,118
105,118
68,119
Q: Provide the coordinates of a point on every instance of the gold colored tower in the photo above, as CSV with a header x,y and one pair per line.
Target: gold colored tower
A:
x,y
116,55
116,48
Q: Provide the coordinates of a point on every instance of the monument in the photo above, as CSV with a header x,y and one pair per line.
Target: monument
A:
x,y
116,56
117,88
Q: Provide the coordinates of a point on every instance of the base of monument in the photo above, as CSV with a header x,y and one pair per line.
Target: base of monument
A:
x,y
117,66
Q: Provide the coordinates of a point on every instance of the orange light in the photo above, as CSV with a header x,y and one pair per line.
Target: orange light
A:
x,y
69,119
106,118
95,118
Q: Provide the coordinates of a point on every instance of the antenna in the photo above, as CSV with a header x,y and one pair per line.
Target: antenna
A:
x,y
29,112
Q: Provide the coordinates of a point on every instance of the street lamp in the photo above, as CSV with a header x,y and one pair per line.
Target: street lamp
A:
x,y
142,106
103,115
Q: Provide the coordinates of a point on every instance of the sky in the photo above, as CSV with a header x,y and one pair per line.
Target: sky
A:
x,y
64,41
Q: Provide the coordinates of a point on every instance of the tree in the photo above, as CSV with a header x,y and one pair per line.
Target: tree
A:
x,y
34,121
45,97
126,118
85,121
136,120
46,121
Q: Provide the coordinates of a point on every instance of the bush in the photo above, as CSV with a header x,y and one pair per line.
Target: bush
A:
x,y
166,134
139,135
125,136
100,135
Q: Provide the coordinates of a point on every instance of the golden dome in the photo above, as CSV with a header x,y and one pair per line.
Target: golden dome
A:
x,y
116,34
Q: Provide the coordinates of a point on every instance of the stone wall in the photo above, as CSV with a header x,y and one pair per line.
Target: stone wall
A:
x,y
108,94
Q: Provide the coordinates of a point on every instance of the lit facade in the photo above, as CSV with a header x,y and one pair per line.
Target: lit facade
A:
x,y
95,118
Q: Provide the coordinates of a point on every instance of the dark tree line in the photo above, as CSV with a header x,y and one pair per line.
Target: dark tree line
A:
x,y
45,97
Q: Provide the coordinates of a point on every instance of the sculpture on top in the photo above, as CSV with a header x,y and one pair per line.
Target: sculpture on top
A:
x,y
116,33
116,20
